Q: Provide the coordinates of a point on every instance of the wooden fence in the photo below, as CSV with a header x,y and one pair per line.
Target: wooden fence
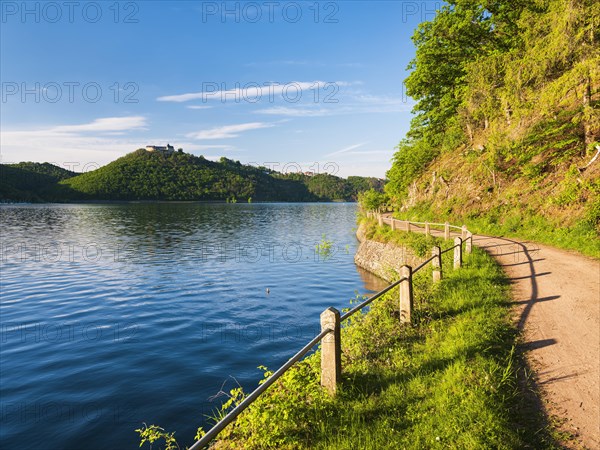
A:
x,y
331,319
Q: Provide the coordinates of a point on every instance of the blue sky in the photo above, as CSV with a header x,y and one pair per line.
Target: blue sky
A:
x,y
280,83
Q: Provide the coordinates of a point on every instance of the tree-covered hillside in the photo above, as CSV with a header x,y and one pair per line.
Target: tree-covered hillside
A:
x,y
507,118
143,175
29,181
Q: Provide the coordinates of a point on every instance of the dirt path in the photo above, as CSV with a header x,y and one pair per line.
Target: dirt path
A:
x,y
557,299
556,294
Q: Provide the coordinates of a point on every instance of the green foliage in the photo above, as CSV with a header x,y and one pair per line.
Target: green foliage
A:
x,y
462,31
154,433
521,78
324,247
45,169
360,184
571,188
517,221
282,417
409,161
143,175
328,186
451,380
29,181
417,242
511,90
372,200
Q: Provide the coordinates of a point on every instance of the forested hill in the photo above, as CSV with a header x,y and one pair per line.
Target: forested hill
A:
x,y
143,175
30,182
507,119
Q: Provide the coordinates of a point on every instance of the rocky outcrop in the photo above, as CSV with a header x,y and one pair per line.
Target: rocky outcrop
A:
x,y
384,260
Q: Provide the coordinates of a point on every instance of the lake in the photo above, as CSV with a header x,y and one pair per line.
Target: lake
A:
x,y
116,314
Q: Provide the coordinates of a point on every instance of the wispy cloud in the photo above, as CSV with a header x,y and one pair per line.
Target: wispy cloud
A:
x,y
253,92
87,142
228,131
346,149
199,107
348,103
303,62
295,112
104,124
209,147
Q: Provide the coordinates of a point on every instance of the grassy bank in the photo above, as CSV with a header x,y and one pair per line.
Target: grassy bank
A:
x,y
519,223
451,380
419,243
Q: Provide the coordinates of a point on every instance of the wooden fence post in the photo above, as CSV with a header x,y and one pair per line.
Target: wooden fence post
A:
x,y
331,350
457,252
408,226
446,231
406,294
469,242
463,233
393,223
380,219
436,263
427,230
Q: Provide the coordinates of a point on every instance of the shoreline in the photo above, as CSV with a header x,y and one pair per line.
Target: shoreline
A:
x,y
128,202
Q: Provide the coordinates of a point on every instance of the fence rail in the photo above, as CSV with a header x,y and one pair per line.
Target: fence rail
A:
x,y
330,335
407,225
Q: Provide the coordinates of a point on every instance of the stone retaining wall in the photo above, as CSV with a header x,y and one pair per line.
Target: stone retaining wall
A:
x,y
384,260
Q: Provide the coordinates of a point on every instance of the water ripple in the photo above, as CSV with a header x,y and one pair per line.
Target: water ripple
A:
x,y
114,315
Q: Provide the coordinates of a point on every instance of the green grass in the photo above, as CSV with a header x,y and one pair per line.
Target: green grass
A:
x,y
450,380
513,222
418,242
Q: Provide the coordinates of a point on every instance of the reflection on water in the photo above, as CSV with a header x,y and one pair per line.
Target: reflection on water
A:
x,y
370,281
114,315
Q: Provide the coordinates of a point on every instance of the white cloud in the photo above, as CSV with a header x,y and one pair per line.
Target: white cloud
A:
x,y
294,62
253,92
209,147
228,131
364,168
199,107
98,141
346,149
348,103
295,112
105,124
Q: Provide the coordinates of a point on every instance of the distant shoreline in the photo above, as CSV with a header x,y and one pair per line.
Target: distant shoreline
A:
x,y
128,202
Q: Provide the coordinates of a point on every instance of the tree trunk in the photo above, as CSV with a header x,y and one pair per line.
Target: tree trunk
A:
x,y
508,114
588,135
470,132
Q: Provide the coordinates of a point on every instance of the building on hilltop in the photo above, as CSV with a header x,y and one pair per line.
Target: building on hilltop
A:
x,y
169,149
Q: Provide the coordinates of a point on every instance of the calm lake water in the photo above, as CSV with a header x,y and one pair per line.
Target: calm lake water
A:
x,y
114,315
